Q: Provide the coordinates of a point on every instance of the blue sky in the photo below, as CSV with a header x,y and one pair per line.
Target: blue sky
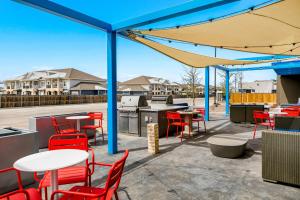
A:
x,y
34,40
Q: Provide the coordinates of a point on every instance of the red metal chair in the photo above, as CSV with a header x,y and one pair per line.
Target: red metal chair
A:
x,y
200,118
174,119
262,118
69,175
21,193
96,117
92,193
65,127
291,112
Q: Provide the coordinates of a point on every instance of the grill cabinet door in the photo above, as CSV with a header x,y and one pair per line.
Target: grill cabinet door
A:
x,y
123,121
133,122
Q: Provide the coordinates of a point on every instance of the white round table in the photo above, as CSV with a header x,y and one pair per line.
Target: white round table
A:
x,y
78,118
51,161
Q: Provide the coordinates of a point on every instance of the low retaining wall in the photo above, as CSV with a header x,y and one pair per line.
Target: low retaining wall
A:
x,y
45,129
12,148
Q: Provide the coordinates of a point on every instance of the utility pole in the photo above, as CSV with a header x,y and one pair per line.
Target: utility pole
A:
x,y
215,99
235,82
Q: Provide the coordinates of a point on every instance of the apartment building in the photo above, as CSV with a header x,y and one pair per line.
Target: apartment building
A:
x,y
147,85
1,88
259,86
55,82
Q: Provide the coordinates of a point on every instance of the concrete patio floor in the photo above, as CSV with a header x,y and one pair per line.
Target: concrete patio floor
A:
x,y
189,170
180,171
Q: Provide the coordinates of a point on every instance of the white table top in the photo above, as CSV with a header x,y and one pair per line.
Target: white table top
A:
x,y
277,113
188,112
78,117
51,160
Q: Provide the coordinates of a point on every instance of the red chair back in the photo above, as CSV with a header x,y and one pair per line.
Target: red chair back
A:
x,y
201,111
115,173
18,174
68,141
291,112
173,116
260,116
96,116
55,125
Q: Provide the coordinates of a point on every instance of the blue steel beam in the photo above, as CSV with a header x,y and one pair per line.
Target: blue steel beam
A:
x,y
206,93
227,93
112,92
278,65
260,58
176,11
68,13
221,68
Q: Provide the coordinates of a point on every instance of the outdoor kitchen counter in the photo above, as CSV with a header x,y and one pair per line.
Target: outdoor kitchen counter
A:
x,y
162,107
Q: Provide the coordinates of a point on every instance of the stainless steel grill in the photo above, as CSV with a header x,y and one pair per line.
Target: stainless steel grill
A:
x,y
129,113
131,102
135,114
168,99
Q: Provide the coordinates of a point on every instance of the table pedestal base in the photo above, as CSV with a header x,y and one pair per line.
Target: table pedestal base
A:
x,y
54,181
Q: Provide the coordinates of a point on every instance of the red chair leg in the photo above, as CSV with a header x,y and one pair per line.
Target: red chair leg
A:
x,y
181,134
168,131
198,127
95,137
116,195
46,193
102,134
254,132
177,130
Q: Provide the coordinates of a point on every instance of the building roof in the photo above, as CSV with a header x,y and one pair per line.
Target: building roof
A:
x,y
146,80
66,73
140,80
88,86
72,73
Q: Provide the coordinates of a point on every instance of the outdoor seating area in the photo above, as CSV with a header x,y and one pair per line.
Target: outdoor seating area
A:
x,y
149,140
225,139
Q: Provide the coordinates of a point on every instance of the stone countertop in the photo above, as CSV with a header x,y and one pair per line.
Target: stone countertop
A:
x,y
162,107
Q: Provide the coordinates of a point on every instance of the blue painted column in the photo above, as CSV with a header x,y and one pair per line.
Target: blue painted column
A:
x,y
227,93
206,93
112,129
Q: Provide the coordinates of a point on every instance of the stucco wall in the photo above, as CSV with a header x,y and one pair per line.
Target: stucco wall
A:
x,y
288,89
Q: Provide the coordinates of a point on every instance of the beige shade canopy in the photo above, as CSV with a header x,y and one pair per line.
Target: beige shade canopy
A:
x,y
188,58
273,29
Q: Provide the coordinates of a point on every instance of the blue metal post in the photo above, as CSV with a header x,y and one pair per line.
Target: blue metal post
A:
x,y
227,93
112,92
206,93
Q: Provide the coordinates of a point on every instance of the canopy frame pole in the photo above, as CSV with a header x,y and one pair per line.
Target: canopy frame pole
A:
x,y
227,77
206,93
112,130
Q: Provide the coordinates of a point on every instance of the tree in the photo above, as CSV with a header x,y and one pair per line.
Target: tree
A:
x,y
222,75
238,81
191,79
